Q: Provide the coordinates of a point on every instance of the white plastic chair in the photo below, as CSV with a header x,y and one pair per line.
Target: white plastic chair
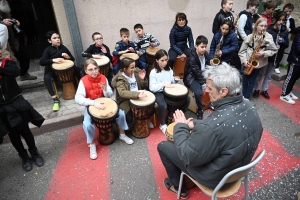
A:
x,y
234,175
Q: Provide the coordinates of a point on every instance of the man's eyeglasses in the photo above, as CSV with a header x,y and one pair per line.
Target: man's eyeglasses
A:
x,y
99,38
93,70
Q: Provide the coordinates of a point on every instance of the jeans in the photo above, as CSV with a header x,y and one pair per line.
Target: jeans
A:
x,y
143,62
197,90
265,73
248,82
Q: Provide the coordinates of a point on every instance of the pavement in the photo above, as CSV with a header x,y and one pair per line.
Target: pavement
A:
x,y
135,171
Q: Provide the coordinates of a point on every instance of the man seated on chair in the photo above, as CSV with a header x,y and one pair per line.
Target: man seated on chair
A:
x,y
225,140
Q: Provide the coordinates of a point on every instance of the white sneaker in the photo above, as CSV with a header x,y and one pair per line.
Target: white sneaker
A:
x,y
126,139
287,99
163,128
150,124
277,71
93,151
293,96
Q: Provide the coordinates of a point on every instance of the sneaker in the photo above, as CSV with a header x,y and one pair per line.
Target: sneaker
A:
x,y
150,124
56,106
255,94
93,151
294,97
126,139
172,188
163,128
27,76
277,71
287,99
265,94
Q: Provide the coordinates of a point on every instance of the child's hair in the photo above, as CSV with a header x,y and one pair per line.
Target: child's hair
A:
x,y
255,26
124,31
89,61
252,3
201,39
227,22
289,6
125,62
279,15
50,33
138,26
223,2
159,54
181,16
96,33
269,5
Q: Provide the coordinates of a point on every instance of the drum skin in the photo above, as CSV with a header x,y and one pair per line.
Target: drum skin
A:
x,y
150,55
103,64
133,56
142,109
105,119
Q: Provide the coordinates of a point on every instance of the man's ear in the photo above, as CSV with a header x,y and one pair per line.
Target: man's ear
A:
x,y
224,92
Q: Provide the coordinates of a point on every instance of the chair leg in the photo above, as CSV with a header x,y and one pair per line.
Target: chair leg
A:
x,y
246,187
55,88
154,119
180,185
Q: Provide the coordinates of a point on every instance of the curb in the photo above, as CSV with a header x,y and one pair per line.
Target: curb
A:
x,y
54,124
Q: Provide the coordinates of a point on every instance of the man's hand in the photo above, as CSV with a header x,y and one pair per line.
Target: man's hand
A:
x,y
7,22
179,117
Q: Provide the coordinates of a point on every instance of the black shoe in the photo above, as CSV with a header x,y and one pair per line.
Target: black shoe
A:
x,y
37,158
174,189
26,164
265,94
200,115
255,94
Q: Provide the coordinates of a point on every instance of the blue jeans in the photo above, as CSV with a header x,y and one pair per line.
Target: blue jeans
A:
x,y
265,73
116,68
143,62
248,82
197,90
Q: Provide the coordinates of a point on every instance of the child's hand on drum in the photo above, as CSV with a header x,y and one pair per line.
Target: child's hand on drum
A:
x,y
182,56
140,53
58,60
142,95
142,74
99,105
168,85
151,44
96,56
131,49
66,56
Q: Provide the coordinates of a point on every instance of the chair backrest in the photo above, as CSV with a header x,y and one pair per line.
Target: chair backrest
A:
x,y
240,172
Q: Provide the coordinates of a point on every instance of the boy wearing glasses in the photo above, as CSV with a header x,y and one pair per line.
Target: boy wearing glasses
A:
x,y
97,50
93,86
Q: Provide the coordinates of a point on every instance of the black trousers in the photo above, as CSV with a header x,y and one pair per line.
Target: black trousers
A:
x,y
171,161
23,59
293,74
173,55
15,134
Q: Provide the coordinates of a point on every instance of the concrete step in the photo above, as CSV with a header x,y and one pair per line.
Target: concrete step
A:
x,y
281,76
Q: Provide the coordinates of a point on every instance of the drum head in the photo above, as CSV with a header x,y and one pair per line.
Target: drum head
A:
x,y
150,99
133,56
101,61
110,110
66,64
178,90
170,129
152,50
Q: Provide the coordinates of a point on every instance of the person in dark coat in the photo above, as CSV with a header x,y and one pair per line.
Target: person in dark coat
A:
x,y
223,14
227,139
180,35
227,42
15,113
293,73
280,34
194,68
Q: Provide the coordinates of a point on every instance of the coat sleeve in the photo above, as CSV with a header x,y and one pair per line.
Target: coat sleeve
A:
x,y
216,26
69,53
173,42
234,45
241,25
198,147
297,46
108,54
45,59
154,40
80,96
154,85
88,53
117,49
124,93
196,69
271,48
213,45
243,50
108,92
11,69
191,39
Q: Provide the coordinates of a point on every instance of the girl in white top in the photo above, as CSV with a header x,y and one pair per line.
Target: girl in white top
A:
x,y
162,76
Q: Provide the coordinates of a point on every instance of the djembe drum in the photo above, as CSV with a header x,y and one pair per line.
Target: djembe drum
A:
x,y
150,59
175,97
205,101
105,119
103,64
169,134
133,56
142,109
65,74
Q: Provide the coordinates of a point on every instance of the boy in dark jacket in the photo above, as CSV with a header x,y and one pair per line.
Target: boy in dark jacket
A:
x,y
16,112
223,14
195,65
293,72
98,49
123,46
